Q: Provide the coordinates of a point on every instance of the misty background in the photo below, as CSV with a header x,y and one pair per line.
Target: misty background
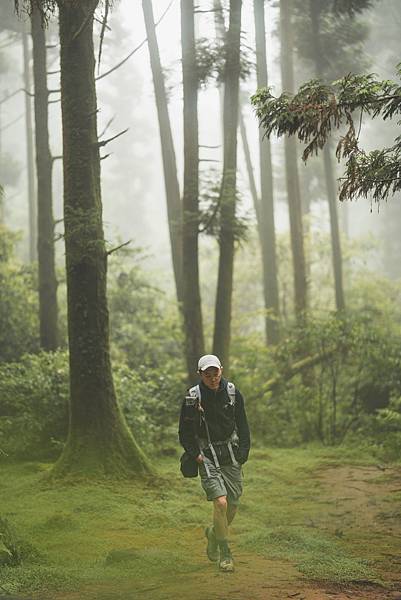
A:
x,y
132,176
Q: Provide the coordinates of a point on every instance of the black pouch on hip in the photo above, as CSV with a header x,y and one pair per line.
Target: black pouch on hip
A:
x,y
188,465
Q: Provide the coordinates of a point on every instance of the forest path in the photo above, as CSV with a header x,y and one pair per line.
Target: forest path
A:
x,y
359,504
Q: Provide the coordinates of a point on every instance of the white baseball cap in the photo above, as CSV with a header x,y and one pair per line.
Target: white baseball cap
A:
x,y
208,360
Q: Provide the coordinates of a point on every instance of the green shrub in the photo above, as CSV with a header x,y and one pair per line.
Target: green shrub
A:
x,y
144,324
34,405
18,303
357,372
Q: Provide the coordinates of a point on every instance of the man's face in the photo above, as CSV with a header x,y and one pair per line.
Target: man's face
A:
x,y
211,377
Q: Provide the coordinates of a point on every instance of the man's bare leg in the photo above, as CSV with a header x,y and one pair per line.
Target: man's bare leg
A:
x,y
231,512
220,518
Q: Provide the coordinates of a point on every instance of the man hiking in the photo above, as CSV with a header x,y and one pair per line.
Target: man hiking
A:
x,y
214,431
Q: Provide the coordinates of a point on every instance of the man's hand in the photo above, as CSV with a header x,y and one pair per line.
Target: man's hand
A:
x,y
199,459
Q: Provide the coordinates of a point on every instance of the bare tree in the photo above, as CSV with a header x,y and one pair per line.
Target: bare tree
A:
x,y
46,262
291,167
315,15
174,208
194,343
266,226
222,326
30,160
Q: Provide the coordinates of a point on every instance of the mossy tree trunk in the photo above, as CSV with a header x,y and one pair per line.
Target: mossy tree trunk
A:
x,y
99,442
173,200
46,261
222,325
267,231
291,168
194,342
315,11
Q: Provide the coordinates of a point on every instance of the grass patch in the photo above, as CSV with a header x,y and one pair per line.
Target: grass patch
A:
x,y
317,556
132,535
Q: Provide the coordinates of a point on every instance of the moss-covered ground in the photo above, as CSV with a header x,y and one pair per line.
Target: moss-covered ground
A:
x,y
314,524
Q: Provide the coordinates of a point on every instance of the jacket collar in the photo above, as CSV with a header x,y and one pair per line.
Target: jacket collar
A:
x,y
222,386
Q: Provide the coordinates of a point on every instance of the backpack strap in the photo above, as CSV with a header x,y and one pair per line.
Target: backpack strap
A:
x,y
231,395
231,392
196,393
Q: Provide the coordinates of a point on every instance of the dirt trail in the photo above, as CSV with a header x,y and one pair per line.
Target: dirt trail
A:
x,y
354,496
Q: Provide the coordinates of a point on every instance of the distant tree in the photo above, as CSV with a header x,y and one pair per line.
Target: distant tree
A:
x,y
315,11
329,39
221,339
32,202
1,203
384,20
194,342
48,310
174,205
291,166
99,442
266,225
8,22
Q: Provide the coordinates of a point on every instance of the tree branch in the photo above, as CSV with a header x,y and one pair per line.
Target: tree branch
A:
x,y
124,60
103,30
294,369
118,248
103,143
84,23
107,126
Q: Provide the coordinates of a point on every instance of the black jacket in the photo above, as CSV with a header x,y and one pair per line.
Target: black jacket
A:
x,y
221,418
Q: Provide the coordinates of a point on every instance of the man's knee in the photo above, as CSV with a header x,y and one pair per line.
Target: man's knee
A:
x,y
220,504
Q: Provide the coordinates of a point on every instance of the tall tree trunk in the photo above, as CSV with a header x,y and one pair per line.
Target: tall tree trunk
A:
x,y
1,187
249,168
221,33
46,262
99,442
268,263
173,199
267,226
291,167
194,343
29,151
314,7
222,325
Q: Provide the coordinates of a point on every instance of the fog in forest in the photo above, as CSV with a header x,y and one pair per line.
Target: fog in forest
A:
x,y
132,175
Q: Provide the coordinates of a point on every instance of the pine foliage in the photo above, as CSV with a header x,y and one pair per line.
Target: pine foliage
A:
x,y
318,109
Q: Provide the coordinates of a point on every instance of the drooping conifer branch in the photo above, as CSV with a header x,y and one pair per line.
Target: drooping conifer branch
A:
x,y
317,109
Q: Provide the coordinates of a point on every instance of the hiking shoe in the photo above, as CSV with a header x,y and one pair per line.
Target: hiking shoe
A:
x,y
212,548
226,563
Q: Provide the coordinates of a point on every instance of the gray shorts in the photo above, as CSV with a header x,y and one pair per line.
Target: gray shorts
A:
x,y
224,482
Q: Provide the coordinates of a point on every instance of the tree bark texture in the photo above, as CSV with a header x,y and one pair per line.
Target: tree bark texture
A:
x,y
99,442
291,168
314,7
174,209
267,231
194,342
46,262
222,326
30,160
